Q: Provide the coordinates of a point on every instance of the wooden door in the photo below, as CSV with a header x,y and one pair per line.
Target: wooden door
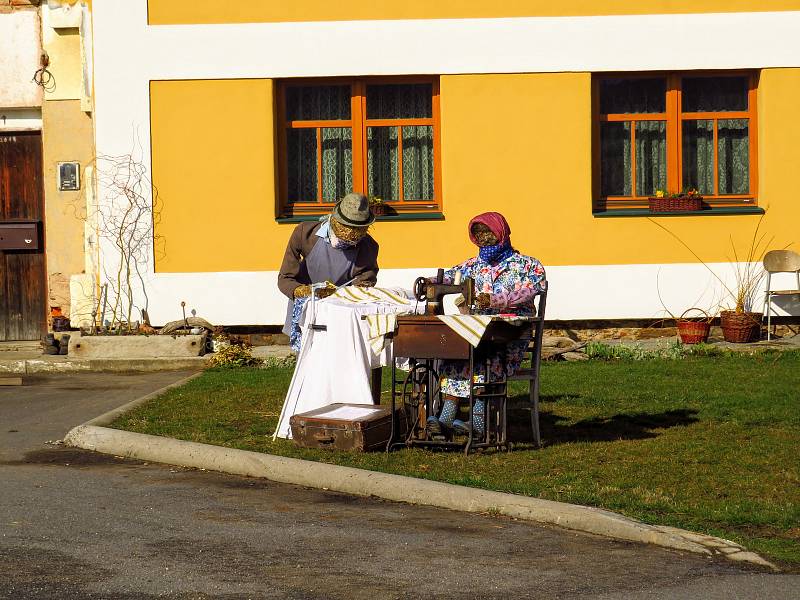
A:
x,y
23,296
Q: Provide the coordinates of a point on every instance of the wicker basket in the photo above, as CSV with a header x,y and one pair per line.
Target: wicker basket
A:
x,y
740,327
681,204
694,330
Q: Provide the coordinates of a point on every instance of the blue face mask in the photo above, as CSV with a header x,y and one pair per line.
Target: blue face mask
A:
x,y
495,254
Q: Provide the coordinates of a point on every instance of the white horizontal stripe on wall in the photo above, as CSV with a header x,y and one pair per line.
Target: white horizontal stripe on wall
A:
x,y
580,292
506,45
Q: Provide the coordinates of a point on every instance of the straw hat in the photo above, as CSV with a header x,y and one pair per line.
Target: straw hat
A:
x,y
353,210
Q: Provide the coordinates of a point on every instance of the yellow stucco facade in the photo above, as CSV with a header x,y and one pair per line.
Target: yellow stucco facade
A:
x,y
520,144
67,136
177,12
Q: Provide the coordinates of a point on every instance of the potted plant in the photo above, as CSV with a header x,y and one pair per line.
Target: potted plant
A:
x,y
741,324
686,201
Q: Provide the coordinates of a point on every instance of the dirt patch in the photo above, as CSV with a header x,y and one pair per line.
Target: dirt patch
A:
x,y
68,456
239,484
95,388
46,569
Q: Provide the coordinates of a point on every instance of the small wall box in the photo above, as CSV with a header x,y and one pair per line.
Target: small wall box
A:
x,y
69,176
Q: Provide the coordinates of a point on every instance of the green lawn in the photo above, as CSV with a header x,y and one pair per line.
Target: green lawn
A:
x,y
710,444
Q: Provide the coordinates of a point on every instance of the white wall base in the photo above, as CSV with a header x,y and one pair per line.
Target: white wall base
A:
x,y
576,292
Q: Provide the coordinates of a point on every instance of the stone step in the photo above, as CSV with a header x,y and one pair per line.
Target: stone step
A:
x,y
23,346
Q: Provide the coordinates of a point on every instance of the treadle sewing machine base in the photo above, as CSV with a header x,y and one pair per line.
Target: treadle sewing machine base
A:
x,y
426,339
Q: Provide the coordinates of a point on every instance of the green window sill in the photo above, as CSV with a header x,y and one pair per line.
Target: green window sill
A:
x,y
429,216
706,212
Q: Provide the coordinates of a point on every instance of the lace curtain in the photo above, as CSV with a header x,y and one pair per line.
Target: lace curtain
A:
x,y
386,165
651,158
305,167
637,96
733,155
404,101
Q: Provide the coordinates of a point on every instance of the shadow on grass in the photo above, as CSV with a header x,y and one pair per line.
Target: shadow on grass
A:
x,y
625,426
550,397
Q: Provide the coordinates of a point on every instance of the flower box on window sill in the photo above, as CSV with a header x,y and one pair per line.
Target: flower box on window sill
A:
x,y
684,203
380,209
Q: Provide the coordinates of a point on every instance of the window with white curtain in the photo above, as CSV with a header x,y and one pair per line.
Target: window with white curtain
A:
x,y
674,132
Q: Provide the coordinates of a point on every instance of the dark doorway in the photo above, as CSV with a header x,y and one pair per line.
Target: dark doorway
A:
x,y
22,269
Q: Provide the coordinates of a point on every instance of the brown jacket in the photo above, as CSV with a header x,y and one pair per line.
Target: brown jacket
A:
x,y
294,274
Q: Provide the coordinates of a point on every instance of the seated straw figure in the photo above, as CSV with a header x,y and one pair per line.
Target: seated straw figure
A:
x,y
505,282
335,250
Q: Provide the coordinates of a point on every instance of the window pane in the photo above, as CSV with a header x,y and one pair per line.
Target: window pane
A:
x,y
318,102
615,159
301,149
624,96
713,94
403,101
337,163
698,156
382,178
418,163
733,152
651,157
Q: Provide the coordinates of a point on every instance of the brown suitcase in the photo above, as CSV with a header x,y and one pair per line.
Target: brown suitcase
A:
x,y
360,427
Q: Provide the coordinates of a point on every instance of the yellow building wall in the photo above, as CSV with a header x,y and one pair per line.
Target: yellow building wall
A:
x,y
67,135
175,12
64,48
213,168
519,144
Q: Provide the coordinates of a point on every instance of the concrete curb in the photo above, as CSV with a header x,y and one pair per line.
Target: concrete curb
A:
x,y
397,488
32,366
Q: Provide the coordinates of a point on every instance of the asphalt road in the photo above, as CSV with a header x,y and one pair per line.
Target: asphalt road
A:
x,y
75,524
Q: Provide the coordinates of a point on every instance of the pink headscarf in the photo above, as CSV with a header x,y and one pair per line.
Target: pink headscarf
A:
x,y
496,223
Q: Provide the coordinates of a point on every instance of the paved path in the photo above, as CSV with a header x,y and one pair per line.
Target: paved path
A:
x,y
81,525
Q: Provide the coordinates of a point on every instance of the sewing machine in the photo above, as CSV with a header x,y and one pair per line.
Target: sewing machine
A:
x,y
433,292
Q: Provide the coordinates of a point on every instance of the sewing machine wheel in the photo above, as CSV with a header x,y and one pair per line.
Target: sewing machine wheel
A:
x,y
420,289
415,391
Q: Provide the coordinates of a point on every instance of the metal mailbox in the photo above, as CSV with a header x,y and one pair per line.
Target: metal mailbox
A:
x,y
19,235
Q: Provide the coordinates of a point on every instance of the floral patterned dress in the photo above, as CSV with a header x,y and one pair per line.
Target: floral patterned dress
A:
x,y
512,284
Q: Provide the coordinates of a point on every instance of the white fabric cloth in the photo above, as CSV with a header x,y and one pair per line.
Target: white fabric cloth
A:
x,y
334,366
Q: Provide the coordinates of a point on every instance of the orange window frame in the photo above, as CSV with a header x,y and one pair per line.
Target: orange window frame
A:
x,y
674,117
358,124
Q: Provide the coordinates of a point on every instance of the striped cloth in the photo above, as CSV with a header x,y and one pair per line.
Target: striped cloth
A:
x,y
359,295
469,327
379,326
472,327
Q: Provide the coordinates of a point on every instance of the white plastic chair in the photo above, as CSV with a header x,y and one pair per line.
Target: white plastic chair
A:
x,y
779,261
